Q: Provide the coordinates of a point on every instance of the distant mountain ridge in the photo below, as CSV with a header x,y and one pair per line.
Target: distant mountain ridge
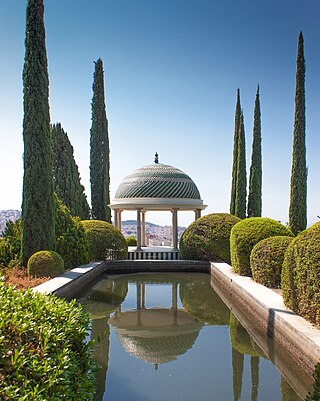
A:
x,y
134,223
6,215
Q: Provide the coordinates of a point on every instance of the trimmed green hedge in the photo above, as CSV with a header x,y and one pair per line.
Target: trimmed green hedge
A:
x,y
208,238
71,241
246,234
266,260
104,239
45,264
131,241
44,353
301,274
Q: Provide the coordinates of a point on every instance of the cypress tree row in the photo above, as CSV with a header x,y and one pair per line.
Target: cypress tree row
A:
x,y
298,187
38,207
255,180
235,154
66,176
241,179
99,150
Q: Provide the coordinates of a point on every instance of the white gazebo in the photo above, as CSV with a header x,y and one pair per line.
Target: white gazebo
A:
x,y
157,187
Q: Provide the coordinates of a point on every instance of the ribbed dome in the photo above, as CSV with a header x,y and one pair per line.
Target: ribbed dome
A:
x,y
158,181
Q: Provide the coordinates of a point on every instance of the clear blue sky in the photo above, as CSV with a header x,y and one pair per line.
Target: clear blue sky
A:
x,y
172,68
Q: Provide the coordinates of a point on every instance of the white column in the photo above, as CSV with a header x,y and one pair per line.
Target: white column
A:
x,y
197,214
139,230
143,228
119,220
175,229
116,218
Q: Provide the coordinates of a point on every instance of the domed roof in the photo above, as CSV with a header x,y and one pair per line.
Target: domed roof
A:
x,y
158,181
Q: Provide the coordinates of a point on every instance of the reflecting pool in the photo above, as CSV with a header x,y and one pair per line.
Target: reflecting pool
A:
x,y
169,337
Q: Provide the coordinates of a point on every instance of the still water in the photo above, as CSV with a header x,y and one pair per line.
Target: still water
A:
x,y
169,337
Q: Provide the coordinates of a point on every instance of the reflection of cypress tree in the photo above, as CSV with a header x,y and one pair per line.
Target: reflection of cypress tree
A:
x,y
237,371
100,328
254,362
290,395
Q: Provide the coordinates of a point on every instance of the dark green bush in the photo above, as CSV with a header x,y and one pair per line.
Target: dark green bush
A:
x,y
315,393
266,260
44,353
131,241
246,234
208,238
45,264
301,274
71,241
241,340
10,244
104,240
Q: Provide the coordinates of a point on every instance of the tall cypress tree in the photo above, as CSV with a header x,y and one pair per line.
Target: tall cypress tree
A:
x,y
99,150
241,180
235,154
255,180
298,188
38,219
66,176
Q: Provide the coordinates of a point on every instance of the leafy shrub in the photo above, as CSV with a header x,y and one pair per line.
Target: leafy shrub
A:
x,y
208,238
71,240
315,394
241,340
10,244
266,260
301,274
246,234
131,241
44,351
45,264
104,239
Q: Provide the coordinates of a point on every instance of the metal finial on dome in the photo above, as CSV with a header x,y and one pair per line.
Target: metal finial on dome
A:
x,y
156,158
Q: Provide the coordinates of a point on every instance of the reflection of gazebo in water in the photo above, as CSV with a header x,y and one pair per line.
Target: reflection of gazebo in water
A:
x,y
156,335
157,187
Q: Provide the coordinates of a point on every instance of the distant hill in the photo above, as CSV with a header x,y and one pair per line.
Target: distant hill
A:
x,y
134,223
6,215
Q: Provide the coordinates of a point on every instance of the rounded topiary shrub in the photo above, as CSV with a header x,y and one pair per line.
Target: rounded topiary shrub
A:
x,y
45,264
301,274
208,238
104,240
266,260
246,234
131,241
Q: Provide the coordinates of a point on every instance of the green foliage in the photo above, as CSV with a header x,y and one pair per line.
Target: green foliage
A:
x,y
246,234
241,340
255,180
201,302
71,240
301,274
208,238
99,149
241,184
44,352
66,176
45,264
298,187
10,244
104,239
131,241
315,394
38,199
235,155
266,260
